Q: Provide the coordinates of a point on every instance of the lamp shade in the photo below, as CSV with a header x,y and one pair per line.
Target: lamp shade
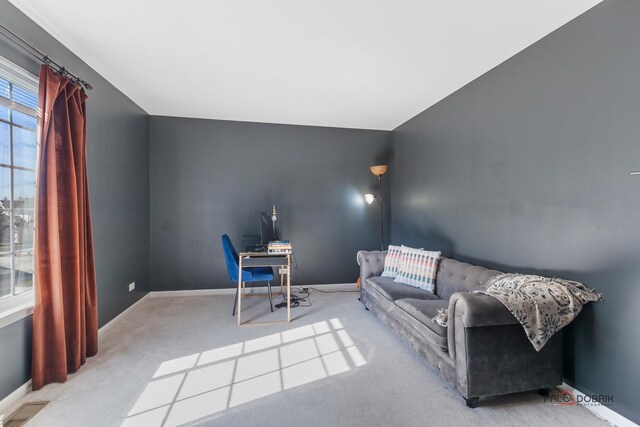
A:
x,y
369,198
379,169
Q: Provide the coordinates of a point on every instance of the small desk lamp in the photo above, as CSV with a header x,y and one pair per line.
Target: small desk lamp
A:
x,y
274,218
378,171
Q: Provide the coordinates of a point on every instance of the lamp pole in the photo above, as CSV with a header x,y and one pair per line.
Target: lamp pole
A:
x,y
274,217
381,206
378,171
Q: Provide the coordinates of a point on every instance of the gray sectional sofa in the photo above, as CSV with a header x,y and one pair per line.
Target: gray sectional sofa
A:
x,y
483,351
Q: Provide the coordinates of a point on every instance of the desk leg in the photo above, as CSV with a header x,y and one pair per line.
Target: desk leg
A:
x,y
240,289
281,270
288,288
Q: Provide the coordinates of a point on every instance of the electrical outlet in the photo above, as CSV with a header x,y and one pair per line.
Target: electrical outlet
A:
x,y
132,286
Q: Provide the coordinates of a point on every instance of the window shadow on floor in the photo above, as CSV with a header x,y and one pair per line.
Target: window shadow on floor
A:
x,y
203,384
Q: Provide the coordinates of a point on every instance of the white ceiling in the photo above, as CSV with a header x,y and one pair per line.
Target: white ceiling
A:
x,y
370,64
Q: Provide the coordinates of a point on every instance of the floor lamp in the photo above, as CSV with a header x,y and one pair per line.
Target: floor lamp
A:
x,y
378,171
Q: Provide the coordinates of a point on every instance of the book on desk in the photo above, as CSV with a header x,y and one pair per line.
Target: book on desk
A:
x,y
279,247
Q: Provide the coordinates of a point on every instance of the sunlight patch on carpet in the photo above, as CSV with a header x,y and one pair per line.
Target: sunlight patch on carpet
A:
x,y
198,385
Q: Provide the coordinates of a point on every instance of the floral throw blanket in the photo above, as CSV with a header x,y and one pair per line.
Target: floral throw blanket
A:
x,y
542,305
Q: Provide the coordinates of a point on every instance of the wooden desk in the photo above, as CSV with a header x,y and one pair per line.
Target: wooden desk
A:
x,y
264,259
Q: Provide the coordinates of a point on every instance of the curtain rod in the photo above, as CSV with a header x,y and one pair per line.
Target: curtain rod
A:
x,y
36,53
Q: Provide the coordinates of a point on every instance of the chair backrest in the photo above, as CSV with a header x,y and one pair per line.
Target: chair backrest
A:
x,y
230,258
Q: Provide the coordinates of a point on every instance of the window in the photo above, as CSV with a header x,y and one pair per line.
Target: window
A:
x,y
18,110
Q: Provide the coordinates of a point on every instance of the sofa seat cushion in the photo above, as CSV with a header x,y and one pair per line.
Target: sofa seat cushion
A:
x,y
393,291
424,311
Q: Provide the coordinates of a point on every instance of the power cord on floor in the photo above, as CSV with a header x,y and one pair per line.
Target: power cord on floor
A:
x,y
297,300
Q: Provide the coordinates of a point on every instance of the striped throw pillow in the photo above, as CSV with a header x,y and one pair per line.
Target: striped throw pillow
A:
x,y
418,268
392,261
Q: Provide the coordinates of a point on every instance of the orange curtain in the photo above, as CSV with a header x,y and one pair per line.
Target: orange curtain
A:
x,y
65,315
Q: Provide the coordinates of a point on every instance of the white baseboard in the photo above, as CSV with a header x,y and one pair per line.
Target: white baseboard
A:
x,y
601,411
250,290
197,292
332,287
7,404
120,316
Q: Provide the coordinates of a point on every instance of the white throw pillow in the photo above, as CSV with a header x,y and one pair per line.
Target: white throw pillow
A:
x,y
392,261
418,268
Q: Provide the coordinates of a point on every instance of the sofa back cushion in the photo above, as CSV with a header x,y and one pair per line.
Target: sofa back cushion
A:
x,y
455,276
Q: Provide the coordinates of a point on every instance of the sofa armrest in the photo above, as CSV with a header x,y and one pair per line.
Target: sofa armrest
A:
x,y
371,263
473,311
491,350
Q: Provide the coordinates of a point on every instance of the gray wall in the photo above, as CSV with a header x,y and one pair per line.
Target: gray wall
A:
x,y
118,165
211,177
15,352
527,169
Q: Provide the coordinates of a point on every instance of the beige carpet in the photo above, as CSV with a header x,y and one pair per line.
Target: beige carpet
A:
x,y
182,360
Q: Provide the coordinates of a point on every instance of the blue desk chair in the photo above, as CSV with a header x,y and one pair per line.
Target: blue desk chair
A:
x,y
249,274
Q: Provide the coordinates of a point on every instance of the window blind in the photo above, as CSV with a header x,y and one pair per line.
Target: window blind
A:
x,y
18,88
